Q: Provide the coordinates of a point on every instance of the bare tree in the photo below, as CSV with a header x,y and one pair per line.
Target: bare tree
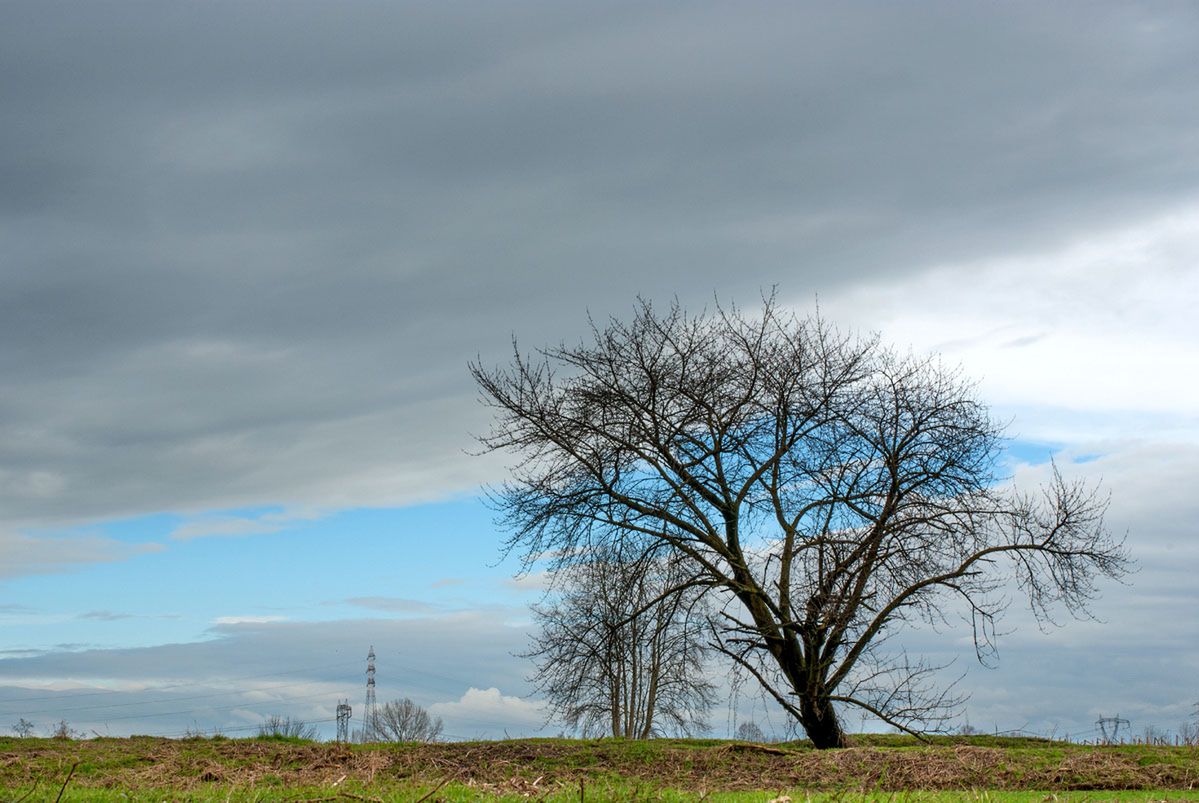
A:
x,y
23,728
63,730
1188,732
749,731
836,491
276,726
620,649
405,721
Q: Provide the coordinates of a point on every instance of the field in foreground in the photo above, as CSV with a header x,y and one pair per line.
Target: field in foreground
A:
x,y
884,768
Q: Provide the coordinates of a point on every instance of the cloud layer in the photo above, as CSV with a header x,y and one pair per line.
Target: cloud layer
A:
x,y
454,664
248,256
25,554
250,250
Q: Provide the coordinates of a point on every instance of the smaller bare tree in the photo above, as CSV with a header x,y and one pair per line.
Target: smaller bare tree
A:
x,y
621,644
749,731
23,728
405,721
63,730
1188,732
280,727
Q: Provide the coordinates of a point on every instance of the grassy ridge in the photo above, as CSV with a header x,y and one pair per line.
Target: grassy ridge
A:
x,y
887,768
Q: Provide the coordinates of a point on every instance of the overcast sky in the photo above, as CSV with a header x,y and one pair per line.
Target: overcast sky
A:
x,y
250,247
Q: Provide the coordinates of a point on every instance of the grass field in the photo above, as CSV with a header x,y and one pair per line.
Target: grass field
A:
x,y
879,768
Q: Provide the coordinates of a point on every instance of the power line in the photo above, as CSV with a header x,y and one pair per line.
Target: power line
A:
x,y
58,710
441,676
1110,727
177,685
277,701
236,729
244,704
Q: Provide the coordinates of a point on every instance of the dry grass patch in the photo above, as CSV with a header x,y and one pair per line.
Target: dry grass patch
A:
x,y
540,767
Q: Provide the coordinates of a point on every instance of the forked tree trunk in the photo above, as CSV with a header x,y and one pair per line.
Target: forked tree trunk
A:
x,y
820,722
816,712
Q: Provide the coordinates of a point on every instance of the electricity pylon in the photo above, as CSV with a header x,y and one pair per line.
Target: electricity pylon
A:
x,y
370,714
344,712
1110,728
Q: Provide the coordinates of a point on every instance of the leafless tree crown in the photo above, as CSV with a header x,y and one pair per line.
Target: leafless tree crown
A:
x,y
621,646
834,488
405,721
749,731
277,725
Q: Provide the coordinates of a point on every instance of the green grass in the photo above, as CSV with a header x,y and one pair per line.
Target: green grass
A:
x,y
889,768
458,793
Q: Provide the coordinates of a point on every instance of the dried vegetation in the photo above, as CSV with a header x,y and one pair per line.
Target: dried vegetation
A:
x,y
538,766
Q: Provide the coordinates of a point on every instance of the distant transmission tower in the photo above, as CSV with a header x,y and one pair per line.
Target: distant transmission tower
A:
x,y
1110,728
344,712
370,715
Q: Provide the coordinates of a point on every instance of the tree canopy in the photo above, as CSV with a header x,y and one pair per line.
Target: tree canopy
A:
x,y
833,489
405,721
621,645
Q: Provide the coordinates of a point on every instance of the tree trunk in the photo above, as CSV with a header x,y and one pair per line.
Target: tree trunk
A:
x,y
614,698
819,720
817,715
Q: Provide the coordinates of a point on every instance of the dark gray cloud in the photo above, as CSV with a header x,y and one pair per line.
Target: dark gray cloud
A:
x,y
249,248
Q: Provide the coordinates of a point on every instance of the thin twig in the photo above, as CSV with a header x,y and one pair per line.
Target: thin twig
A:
x,y
361,797
67,781
432,791
36,781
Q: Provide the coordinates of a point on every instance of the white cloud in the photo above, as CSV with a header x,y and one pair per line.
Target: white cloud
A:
x,y
490,711
1138,656
1098,328
247,620
531,581
206,526
224,526
301,668
24,555
104,616
392,604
